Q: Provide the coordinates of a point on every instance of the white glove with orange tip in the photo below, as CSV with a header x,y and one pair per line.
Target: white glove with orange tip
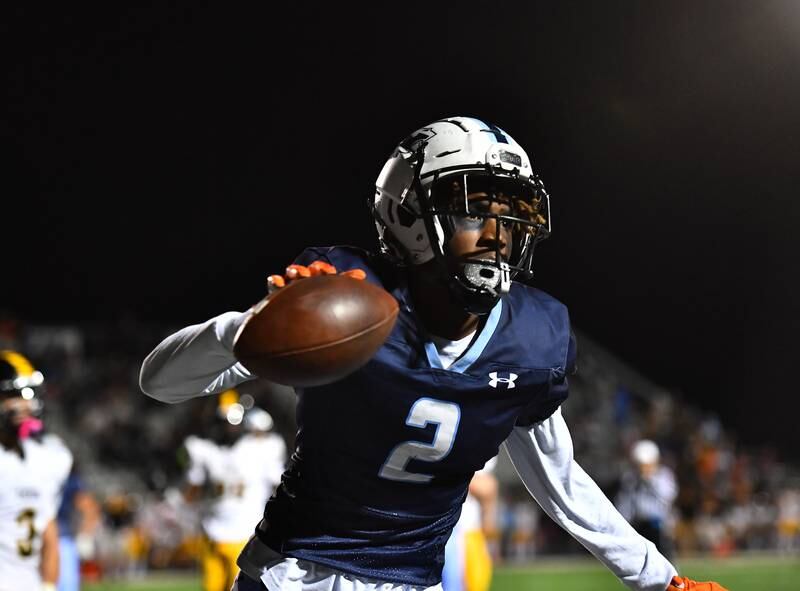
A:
x,y
684,584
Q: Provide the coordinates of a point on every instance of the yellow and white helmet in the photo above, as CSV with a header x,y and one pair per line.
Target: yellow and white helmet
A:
x,y
18,377
19,380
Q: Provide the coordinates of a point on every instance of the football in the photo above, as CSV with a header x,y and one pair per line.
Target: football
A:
x,y
316,330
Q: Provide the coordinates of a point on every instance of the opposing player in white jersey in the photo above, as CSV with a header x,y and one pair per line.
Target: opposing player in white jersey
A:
x,y
33,469
239,468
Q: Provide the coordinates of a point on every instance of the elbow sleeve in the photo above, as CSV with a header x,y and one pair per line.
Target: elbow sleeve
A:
x,y
195,361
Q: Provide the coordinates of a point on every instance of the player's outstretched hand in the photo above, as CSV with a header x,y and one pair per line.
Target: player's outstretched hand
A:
x,y
295,272
684,584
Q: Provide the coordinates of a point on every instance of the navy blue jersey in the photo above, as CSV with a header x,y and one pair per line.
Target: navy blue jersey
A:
x,y
66,511
384,457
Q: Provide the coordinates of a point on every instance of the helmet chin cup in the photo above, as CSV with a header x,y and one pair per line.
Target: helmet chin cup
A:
x,y
480,285
489,277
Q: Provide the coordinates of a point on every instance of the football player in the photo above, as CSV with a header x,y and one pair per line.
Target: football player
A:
x,y
33,469
238,467
477,359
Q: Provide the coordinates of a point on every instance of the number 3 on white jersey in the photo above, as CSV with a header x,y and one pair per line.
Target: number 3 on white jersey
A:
x,y
425,411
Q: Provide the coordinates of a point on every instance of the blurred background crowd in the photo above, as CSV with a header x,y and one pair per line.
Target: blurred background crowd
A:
x,y
672,468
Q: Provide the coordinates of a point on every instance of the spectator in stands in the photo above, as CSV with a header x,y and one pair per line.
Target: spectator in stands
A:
x,y
788,522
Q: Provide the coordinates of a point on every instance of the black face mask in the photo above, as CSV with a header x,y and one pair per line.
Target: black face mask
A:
x,y
12,428
8,430
223,433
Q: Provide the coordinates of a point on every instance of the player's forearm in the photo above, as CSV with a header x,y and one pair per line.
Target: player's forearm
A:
x,y
542,456
49,563
195,361
484,488
89,511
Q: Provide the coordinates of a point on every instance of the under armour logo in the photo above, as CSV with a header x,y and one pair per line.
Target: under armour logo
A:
x,y
509,381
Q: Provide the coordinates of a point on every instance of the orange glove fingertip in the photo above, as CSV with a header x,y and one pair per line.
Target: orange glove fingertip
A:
x,y
687,584
359,274
276,281
321,268
297,271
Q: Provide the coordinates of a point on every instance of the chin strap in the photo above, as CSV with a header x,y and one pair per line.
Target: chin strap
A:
x,y
505,278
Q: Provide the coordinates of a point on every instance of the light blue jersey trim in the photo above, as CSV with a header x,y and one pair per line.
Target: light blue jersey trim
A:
x,y
433,356
482,123
454,569
475,350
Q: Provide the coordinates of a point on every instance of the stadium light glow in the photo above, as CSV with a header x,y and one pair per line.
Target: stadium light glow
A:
x,y
235,414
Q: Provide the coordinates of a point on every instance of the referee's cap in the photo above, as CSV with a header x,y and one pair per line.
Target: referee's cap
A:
x,y
645,452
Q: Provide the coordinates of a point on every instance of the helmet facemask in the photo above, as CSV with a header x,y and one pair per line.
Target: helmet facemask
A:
x,y
466,200
20,407
426,193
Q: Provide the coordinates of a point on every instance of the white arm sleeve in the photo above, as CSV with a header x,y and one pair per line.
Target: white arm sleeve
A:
x,y
196,472
196,361
542,456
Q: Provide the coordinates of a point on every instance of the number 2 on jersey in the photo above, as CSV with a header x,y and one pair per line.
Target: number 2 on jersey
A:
x,y
425,411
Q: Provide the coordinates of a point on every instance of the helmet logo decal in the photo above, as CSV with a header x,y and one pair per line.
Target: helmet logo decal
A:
x,y
405,217
499,136
411,142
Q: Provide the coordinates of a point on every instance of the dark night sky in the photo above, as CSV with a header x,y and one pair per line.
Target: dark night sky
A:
x,y
164,161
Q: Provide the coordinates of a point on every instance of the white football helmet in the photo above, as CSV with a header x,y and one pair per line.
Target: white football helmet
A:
x,y
415,210
258,420
645,451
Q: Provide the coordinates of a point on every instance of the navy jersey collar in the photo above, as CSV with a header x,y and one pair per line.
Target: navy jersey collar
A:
x,y
475,349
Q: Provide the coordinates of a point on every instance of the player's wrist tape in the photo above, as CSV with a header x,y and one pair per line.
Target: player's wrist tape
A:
x,y
49,587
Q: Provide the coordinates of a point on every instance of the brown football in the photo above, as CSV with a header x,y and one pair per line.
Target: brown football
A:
x,y
317,330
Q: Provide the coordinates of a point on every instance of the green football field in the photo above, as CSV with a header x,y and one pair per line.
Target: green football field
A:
x,y
737,574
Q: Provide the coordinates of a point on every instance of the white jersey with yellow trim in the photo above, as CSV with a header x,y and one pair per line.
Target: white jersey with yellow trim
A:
x,y
241,478
30,492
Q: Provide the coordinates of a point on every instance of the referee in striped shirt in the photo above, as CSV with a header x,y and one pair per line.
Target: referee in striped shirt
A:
x,y
647,493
